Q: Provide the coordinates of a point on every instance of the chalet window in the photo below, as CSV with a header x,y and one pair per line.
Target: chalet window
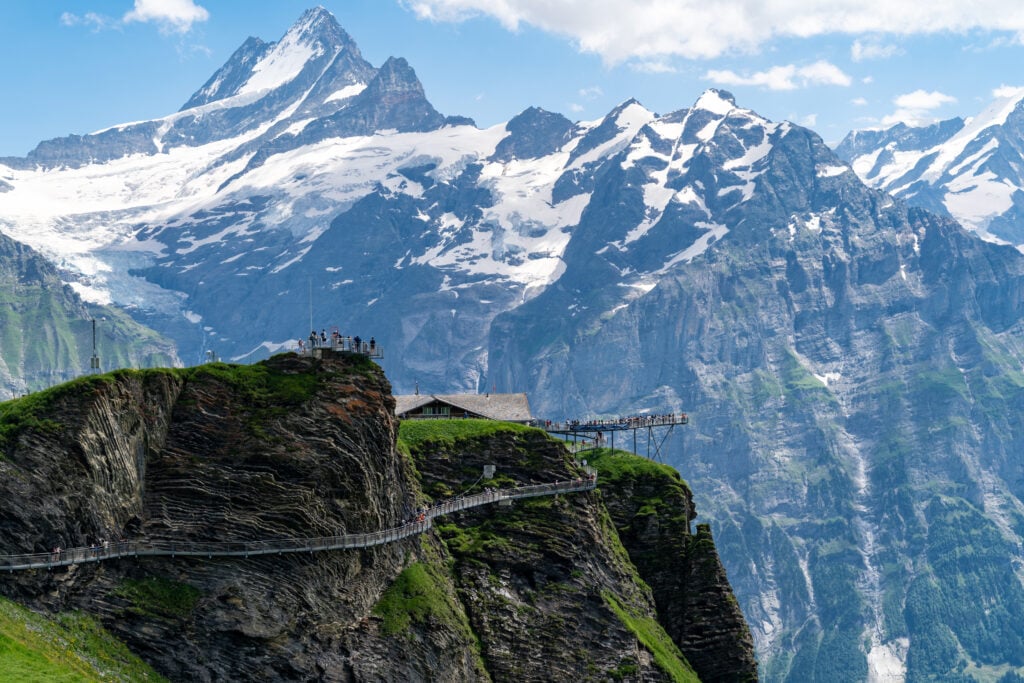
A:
x,y
437,410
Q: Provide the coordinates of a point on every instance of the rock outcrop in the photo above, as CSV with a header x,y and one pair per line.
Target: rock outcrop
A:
x,y
300,447
548,567
652,509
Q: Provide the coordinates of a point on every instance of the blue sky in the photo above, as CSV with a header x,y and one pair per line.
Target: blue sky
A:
x,y
75,66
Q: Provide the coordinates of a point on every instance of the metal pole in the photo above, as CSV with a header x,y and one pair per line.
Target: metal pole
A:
x,y
94,361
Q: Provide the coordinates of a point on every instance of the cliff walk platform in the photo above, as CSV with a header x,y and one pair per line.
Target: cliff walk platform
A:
x,y
164,548
587,434
317,346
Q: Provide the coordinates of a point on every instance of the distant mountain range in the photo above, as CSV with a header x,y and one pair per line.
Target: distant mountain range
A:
x,y
969,169
852,366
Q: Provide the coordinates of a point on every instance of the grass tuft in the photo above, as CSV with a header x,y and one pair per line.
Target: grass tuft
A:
x,y
417,597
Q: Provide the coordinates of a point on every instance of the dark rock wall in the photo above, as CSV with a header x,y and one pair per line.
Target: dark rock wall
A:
x,y
652,509
77,476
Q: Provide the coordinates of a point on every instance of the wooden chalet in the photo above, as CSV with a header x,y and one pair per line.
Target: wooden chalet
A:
x,y
502,407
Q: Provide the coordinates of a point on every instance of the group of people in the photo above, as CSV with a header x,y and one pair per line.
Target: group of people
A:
x,y
101,544
337,342
631,422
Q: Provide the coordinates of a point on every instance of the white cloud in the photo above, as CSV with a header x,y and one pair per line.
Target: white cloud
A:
x,y
621,30
863,50
575,108
591,93
922,99
823,73
1008,91
787,77
98,22
859,102
175,16
809,121
775,78
915,108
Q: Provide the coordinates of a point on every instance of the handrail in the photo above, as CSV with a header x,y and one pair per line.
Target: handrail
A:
x,y
614,424
210,549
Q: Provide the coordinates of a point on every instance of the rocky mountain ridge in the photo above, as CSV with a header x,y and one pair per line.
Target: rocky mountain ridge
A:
x,y
853,366
970,169
297,446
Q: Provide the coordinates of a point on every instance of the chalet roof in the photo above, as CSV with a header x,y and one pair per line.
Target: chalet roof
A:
x,y
505,407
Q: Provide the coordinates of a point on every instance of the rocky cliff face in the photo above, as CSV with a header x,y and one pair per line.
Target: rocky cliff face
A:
x,y
546,568
290,449
652,508
300,447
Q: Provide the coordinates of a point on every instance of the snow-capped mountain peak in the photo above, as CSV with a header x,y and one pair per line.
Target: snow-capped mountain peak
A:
x,y
230,78
315,24
716,101
970,169
316,40
999,110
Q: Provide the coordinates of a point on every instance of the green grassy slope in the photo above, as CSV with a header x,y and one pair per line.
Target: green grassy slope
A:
x,y
68,647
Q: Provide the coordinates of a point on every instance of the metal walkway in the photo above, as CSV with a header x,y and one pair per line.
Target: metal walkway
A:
x,y
424,522
600,431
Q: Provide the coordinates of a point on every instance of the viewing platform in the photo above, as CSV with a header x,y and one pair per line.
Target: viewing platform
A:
x,y
602,432
338,344
615,424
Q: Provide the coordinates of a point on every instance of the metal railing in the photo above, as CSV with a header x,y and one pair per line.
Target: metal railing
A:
x,y
371,349
577,447
614,424
162,548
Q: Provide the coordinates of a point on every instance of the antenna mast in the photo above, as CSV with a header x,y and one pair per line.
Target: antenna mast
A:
x,y
94,362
